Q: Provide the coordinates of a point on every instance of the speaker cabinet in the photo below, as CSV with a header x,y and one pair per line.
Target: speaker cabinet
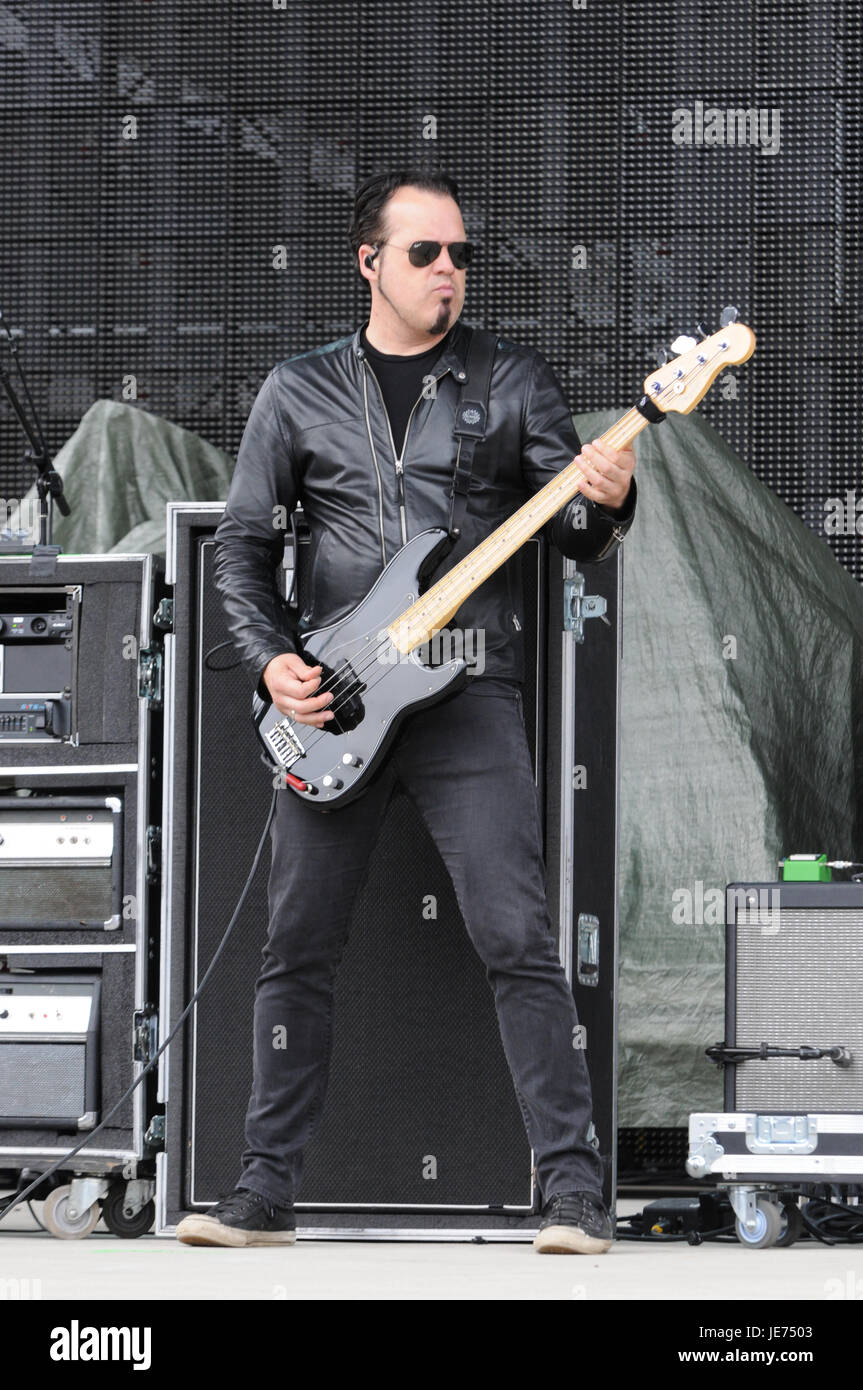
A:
x,y
794,977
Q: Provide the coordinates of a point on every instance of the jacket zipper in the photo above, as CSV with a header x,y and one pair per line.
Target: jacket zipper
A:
x,y
377,470
400,472
397,458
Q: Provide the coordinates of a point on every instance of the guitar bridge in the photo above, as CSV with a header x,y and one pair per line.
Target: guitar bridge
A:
x,y
284,743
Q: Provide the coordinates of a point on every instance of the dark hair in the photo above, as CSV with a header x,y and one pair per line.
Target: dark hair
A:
x,y
367,223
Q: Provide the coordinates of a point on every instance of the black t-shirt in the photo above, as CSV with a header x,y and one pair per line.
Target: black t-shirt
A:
x,y
401,381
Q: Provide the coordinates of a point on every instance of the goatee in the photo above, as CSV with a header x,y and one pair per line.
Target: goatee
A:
x,y
441,323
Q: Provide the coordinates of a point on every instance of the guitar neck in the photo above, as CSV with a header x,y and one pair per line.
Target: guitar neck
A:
x,y
439,604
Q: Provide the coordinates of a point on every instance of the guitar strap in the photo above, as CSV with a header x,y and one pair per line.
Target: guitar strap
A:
x,y
471,421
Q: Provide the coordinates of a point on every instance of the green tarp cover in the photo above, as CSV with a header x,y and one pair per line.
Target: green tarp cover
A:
x,y
119,469
741,737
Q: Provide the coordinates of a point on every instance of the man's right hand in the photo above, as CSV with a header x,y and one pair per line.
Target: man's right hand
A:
x,y
292,685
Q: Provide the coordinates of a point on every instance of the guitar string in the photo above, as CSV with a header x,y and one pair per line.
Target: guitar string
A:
x,y
616,433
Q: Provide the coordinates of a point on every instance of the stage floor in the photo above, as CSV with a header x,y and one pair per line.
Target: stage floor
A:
x,y
103,1267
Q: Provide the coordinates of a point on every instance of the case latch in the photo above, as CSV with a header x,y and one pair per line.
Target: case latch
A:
x,y
578,606
150,671
781,1134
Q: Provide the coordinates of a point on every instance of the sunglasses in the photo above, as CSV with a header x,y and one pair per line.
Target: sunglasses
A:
x,y
422,253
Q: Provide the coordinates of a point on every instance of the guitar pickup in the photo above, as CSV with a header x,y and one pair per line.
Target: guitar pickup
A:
x,y
348,708
284,743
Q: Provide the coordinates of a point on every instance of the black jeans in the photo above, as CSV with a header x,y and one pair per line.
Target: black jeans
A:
x,y
466,764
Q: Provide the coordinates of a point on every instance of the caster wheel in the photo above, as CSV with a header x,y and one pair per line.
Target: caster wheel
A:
x,y
55,1216
123,1226
793,1223
767,1229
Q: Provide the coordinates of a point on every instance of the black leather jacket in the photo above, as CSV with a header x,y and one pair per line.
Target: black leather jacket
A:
x,y
318,433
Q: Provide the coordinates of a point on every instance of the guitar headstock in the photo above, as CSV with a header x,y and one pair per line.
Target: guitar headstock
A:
x,y
680,383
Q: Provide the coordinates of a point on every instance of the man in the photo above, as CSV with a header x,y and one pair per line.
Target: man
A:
x,y
360,431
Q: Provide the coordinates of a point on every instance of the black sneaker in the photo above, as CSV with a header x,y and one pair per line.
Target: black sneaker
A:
x,y
242,1218
574,1223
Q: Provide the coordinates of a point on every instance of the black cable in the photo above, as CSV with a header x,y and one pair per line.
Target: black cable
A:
x,y
840,1206
832,1222
35,1217
672,1237
20,1197
829,1213
230,667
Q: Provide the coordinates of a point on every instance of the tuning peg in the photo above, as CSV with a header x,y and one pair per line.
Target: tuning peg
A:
x,y
705,332
662,356
729,315
683,343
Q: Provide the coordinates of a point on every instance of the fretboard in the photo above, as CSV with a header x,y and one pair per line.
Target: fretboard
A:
x,y
439,604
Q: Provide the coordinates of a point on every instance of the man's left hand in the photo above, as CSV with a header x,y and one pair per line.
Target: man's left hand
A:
x,y
607,473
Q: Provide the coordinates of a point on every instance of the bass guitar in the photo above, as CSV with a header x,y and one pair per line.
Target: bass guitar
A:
x,y
372,659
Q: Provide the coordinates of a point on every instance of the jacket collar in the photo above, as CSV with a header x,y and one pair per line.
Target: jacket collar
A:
x,y
454,355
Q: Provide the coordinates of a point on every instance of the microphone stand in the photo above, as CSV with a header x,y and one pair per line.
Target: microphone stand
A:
x,y
49,484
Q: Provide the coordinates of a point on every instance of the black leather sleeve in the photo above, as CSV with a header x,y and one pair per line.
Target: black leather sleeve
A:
x,y
250,537
583,529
